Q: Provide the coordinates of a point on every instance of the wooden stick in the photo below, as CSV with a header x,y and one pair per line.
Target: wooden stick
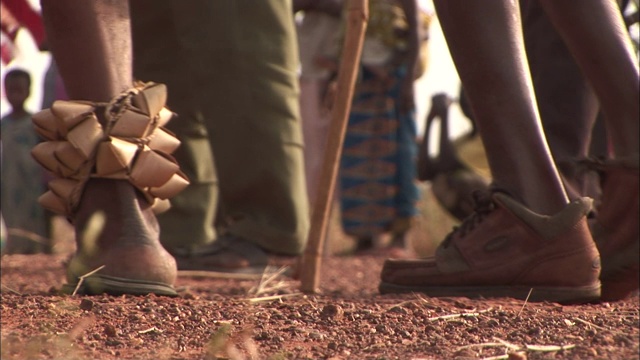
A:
x,y
357,15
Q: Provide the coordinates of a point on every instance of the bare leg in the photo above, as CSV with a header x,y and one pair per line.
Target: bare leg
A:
x,y
502,98
567,104
91,43
593,34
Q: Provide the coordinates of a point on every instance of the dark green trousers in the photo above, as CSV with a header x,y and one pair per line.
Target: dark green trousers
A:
x,y
230,67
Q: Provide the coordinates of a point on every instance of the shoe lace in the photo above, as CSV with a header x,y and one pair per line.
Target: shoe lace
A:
x,y
483,206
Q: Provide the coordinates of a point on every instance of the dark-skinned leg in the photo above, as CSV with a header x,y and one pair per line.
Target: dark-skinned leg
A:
x,y
596,35
115,226
90,41
524,235
567,104
500,92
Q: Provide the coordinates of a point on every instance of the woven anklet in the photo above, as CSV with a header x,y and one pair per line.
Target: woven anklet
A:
x,y
132,145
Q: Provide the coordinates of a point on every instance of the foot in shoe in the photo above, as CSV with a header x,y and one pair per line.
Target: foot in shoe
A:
x,y
506,250
229,253
616,228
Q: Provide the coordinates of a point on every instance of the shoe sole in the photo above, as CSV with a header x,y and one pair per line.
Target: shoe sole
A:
x,y
111,285
562,295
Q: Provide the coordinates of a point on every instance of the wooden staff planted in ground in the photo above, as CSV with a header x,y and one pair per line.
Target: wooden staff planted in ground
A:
x,y
357,15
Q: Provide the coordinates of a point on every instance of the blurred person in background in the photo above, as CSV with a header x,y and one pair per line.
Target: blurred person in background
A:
x,y
22,177
377,184
15,15
318,32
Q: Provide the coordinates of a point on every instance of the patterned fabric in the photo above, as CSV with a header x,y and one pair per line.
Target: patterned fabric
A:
x,y
22,183
377,169
387,34
387,23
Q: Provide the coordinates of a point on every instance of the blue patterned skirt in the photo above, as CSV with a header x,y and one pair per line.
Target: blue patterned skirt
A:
x,y
378,165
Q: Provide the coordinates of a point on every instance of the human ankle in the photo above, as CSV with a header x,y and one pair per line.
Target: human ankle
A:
x,y
116,228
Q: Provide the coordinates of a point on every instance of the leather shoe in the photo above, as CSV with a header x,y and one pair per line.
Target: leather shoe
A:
x,y
506,250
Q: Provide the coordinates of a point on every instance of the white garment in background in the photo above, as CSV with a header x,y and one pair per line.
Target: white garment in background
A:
x,y
318,35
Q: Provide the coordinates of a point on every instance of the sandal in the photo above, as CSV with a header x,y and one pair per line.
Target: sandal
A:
x,y
103,284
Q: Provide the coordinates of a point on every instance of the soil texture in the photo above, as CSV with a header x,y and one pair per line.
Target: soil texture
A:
x,y
268,318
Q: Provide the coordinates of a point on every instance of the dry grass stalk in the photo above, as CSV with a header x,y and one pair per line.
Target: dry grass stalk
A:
x,y
217,275
548,348
455,316
401,304
507,344
267,284
81,279
151,329
5,287
527,347
274,297
481,345
591,324
599,327
273,289
525,303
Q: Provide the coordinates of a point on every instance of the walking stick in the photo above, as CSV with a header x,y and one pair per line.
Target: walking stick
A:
x,y
357,14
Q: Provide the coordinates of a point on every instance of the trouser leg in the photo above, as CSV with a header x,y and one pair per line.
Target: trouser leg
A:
x,y
235,63
162,54
256,136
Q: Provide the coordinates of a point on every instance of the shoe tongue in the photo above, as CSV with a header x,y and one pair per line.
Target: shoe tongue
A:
x,y
548,226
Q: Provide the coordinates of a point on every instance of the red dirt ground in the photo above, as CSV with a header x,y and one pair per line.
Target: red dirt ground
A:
x,y
217,318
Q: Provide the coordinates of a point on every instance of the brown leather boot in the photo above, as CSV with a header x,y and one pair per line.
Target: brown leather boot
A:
x,y
506,250
116,228
617,228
